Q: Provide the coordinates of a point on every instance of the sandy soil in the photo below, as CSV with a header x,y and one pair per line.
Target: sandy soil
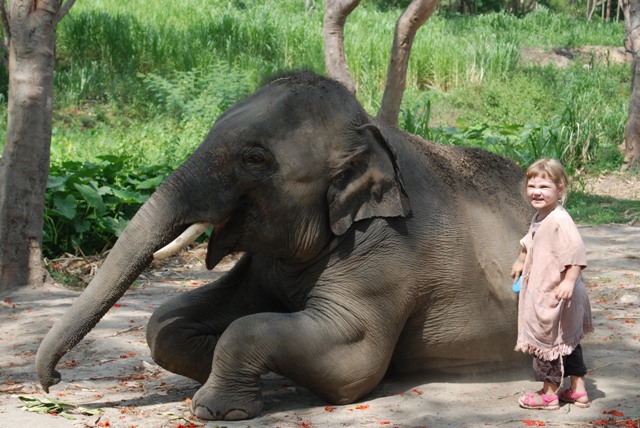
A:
x,y
111,369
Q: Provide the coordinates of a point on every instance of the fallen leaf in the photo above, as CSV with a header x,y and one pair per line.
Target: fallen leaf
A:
x,y
54,406
11,388
533,423
190,423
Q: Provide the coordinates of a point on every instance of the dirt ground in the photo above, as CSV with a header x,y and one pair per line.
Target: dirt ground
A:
x,y
111,371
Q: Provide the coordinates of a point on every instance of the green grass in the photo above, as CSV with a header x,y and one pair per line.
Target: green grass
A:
x,y
595,209
167,64
139,84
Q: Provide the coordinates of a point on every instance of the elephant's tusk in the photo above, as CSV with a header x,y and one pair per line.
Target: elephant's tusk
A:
x,y
187,237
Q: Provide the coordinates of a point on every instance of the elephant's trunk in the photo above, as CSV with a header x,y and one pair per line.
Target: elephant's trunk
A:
x,y
158,222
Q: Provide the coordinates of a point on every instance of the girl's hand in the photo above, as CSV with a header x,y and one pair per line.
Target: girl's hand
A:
x,y
564,291
516,270
518,265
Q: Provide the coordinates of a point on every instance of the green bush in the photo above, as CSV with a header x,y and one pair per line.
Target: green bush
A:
x,y
192,94
88,205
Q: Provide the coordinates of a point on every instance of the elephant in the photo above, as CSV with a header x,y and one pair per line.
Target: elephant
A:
x,y
365,250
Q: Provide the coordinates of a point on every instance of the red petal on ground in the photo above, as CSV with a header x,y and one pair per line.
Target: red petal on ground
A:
x,y
533,423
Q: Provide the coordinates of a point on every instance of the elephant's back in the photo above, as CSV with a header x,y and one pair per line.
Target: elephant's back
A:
x,y
469,169
470,182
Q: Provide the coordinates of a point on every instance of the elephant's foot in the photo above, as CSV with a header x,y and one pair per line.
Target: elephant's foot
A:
x,y
210,403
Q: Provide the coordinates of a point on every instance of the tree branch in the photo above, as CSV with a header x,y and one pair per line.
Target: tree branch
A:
x,y
411,19
64,9
335,16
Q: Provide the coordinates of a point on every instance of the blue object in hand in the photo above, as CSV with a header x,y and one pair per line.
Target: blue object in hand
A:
x,y
517,285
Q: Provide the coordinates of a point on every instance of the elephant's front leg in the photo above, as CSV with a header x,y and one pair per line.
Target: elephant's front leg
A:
x,y
182,333
337,360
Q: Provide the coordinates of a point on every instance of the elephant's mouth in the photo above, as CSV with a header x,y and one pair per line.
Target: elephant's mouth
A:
x,y
215,250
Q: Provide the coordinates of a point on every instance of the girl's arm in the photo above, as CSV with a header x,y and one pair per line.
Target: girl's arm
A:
x,y
564,291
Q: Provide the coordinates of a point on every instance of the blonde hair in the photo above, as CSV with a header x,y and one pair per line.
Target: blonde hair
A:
x,y
553,170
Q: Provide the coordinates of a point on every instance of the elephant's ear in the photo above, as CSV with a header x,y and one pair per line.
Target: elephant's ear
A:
x,y
366,183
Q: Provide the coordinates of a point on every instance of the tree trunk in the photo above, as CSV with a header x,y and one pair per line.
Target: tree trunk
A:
x,y
24,167
411,19
335,16
631,10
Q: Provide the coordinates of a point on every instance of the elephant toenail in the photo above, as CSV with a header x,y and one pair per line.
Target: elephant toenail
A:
x,y
203,412
236,415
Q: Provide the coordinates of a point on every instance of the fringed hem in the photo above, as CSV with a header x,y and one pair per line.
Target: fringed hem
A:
x,y
549,354
588,328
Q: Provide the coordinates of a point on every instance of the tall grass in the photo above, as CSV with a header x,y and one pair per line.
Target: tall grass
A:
x,y
167,68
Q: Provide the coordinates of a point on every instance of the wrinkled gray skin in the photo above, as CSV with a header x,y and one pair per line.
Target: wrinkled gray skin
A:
x,y
366,248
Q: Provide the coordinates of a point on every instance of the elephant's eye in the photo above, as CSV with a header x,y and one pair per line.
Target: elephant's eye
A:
x,y
341,180
256,159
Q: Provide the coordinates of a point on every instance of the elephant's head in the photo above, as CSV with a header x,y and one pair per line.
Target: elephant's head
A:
x,y
281,173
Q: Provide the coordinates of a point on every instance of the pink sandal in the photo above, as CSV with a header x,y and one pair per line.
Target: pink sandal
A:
x,y
568,396
528,401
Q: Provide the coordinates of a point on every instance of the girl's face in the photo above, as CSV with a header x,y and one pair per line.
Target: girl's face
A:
x,y
543,194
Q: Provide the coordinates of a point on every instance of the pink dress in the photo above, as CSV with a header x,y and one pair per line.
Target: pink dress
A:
x,y
547,327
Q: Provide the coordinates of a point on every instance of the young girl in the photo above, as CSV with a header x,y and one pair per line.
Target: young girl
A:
x,y
553,310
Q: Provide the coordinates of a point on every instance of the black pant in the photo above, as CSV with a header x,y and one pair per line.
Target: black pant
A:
x,y
551,371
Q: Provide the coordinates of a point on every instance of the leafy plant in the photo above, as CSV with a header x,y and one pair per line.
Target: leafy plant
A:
x,y
68,280
89,204
191,94
54,406
416,120
575,144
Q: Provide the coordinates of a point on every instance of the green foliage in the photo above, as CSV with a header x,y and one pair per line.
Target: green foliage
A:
x,y
193,94
526,143
574,115
88,204
66,279
108,43
140,83
55,406
594,209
